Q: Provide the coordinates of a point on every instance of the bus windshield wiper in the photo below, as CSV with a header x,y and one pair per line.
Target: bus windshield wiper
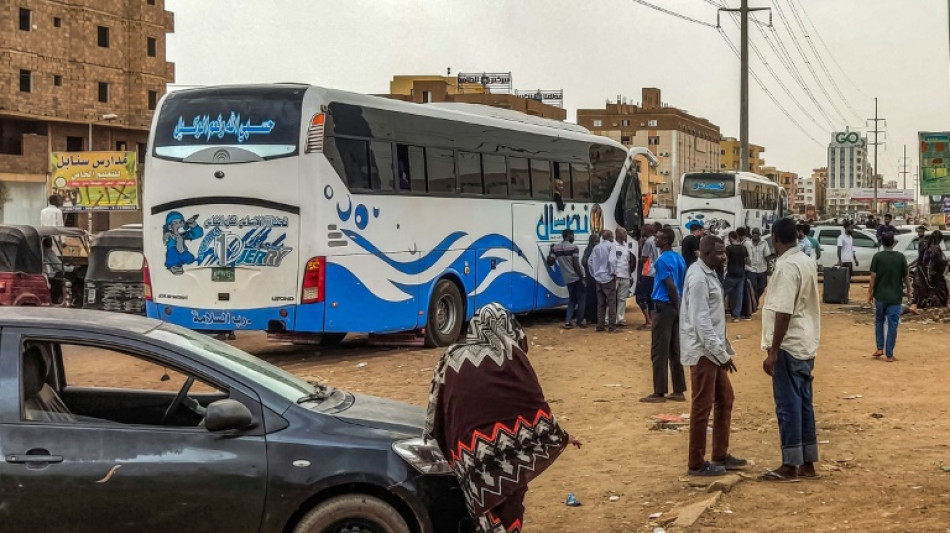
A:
x,y
321,392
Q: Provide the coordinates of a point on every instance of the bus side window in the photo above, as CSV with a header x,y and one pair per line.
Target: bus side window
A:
x,y
411,168
381,166
520,179
440,165
495,170
470,173
541,186
350,159
562,171
580,183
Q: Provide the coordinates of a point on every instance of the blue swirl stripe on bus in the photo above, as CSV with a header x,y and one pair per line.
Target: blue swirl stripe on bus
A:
x,y
418,266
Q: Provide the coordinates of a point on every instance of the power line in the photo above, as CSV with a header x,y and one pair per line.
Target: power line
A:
x,y
821,61
811,69
781,51
778,80
673,13
785,59
768,92
830,53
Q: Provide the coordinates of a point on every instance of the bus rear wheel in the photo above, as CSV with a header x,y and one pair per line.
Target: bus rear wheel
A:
x,y
446,314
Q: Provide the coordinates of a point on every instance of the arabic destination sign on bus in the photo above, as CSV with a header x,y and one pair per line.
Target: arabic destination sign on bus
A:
x,y
94,181
934,163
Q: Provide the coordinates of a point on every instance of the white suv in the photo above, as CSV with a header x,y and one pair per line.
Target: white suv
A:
x,y
865,246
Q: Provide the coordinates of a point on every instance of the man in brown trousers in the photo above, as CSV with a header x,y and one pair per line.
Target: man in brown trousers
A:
x,y
705,349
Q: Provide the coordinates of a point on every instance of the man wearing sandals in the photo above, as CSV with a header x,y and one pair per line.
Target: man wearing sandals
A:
x,y
790,332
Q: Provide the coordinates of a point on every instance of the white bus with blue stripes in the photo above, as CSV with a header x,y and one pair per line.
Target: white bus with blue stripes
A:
x,y
725,201
311,213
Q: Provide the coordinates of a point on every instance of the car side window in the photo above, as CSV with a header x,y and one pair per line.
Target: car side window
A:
x,y
75,383
863,241
828,237
914,244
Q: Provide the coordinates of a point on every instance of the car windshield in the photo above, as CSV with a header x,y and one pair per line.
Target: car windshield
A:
x,y
242,363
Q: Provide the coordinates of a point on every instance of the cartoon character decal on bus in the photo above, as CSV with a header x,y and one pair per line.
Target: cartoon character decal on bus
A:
x,y
175,233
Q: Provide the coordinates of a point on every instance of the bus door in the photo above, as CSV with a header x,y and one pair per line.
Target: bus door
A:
x,y
526,257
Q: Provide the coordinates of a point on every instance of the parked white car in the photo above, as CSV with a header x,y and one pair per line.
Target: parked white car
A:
x,y
906,243
865,246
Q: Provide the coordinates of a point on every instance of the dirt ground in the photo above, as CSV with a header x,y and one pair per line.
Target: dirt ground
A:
x,y
880,473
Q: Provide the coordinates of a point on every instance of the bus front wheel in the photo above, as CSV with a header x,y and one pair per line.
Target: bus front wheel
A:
x,y
446,314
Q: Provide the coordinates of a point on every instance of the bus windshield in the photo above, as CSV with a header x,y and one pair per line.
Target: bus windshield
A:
x,y
261,120
709,185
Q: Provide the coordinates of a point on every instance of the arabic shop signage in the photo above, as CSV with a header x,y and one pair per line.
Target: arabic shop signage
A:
x,y
94,181
208,127
485,78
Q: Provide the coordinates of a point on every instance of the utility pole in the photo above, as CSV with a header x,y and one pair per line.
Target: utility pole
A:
x,y
744,83
877,130
904,173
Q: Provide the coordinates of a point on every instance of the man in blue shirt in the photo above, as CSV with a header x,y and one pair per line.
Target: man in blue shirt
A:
x,y
665,349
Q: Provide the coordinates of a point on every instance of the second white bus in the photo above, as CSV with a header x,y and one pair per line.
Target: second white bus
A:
x,y
725,201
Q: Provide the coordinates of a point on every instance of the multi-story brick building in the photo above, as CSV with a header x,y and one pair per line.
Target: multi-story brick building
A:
x,y
811,193
788,181
682,142
71,70
729,150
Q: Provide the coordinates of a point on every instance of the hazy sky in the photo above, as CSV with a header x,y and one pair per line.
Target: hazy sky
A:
x,y
595,50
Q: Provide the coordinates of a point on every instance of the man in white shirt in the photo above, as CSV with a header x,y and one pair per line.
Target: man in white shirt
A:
x,y
846,256
705,349
603,267
626,264
758,268
52,215
791,329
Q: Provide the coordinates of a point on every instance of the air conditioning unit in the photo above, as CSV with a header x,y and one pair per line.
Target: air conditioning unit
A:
x,y
664,154
665,172
665,190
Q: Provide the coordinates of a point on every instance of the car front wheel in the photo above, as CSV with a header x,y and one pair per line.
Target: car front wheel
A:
x,y
353,513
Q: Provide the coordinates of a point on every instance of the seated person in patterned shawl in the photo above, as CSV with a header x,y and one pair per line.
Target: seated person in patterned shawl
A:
x,y
490,419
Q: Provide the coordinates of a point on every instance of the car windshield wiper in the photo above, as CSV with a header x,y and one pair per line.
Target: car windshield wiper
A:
x,y
321,392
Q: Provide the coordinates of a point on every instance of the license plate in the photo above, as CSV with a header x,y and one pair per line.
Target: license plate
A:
x,y
222,274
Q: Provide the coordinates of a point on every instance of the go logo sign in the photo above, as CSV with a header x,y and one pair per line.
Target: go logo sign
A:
x,y
847,137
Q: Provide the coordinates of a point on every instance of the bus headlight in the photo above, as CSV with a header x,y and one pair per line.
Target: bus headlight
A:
x,y
423,456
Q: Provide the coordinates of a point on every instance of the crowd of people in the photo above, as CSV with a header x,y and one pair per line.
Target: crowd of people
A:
x,y
493,403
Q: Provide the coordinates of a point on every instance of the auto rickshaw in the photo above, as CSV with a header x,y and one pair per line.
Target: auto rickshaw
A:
x,y
114,279
22,281
65,253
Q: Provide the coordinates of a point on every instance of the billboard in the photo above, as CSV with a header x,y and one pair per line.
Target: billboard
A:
x,y
94,181
884,195
550,97
940,204
934,163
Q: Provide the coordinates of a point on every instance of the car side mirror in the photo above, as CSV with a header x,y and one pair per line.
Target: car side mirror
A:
x,y
227,414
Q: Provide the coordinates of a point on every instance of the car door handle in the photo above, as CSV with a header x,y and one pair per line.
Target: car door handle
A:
x,y
35,457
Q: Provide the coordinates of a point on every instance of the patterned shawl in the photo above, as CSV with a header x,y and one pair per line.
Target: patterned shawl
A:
x,y
488,414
